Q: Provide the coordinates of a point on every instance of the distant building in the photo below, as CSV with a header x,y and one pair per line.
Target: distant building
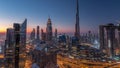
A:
x,y
56,33
37,39
32,34
38,33
74,41
49,33
62,39
89,37
43,35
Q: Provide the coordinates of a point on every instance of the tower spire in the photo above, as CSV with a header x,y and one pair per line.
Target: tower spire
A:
x,y
77,7
77,27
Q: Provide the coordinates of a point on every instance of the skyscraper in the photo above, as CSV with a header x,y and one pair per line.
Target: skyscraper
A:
x,y
55,33
32,35
38,37
43,35
23,30
118,27
110,31
77,26
107,39
102,38
9,48
17,43
49,30
10,37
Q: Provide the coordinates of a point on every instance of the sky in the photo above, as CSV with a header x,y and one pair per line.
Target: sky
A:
x,y
62,13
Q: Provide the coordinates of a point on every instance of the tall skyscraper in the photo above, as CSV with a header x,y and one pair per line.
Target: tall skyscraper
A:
x,y
10,37
102,38
43,35
107,39
89,37
77,26
38,33
9,48
118,27
32,35
110,31
23,30
49,30
55,33
17,43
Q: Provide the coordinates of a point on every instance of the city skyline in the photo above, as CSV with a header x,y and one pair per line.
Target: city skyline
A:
x,y
92,13
60,34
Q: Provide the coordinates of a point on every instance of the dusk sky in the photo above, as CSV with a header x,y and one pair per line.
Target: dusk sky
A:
x,y
62,13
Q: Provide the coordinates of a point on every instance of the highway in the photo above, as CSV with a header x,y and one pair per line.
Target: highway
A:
x,y
65,62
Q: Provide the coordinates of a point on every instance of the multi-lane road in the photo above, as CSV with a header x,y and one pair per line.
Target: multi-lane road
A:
x,y
65,62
